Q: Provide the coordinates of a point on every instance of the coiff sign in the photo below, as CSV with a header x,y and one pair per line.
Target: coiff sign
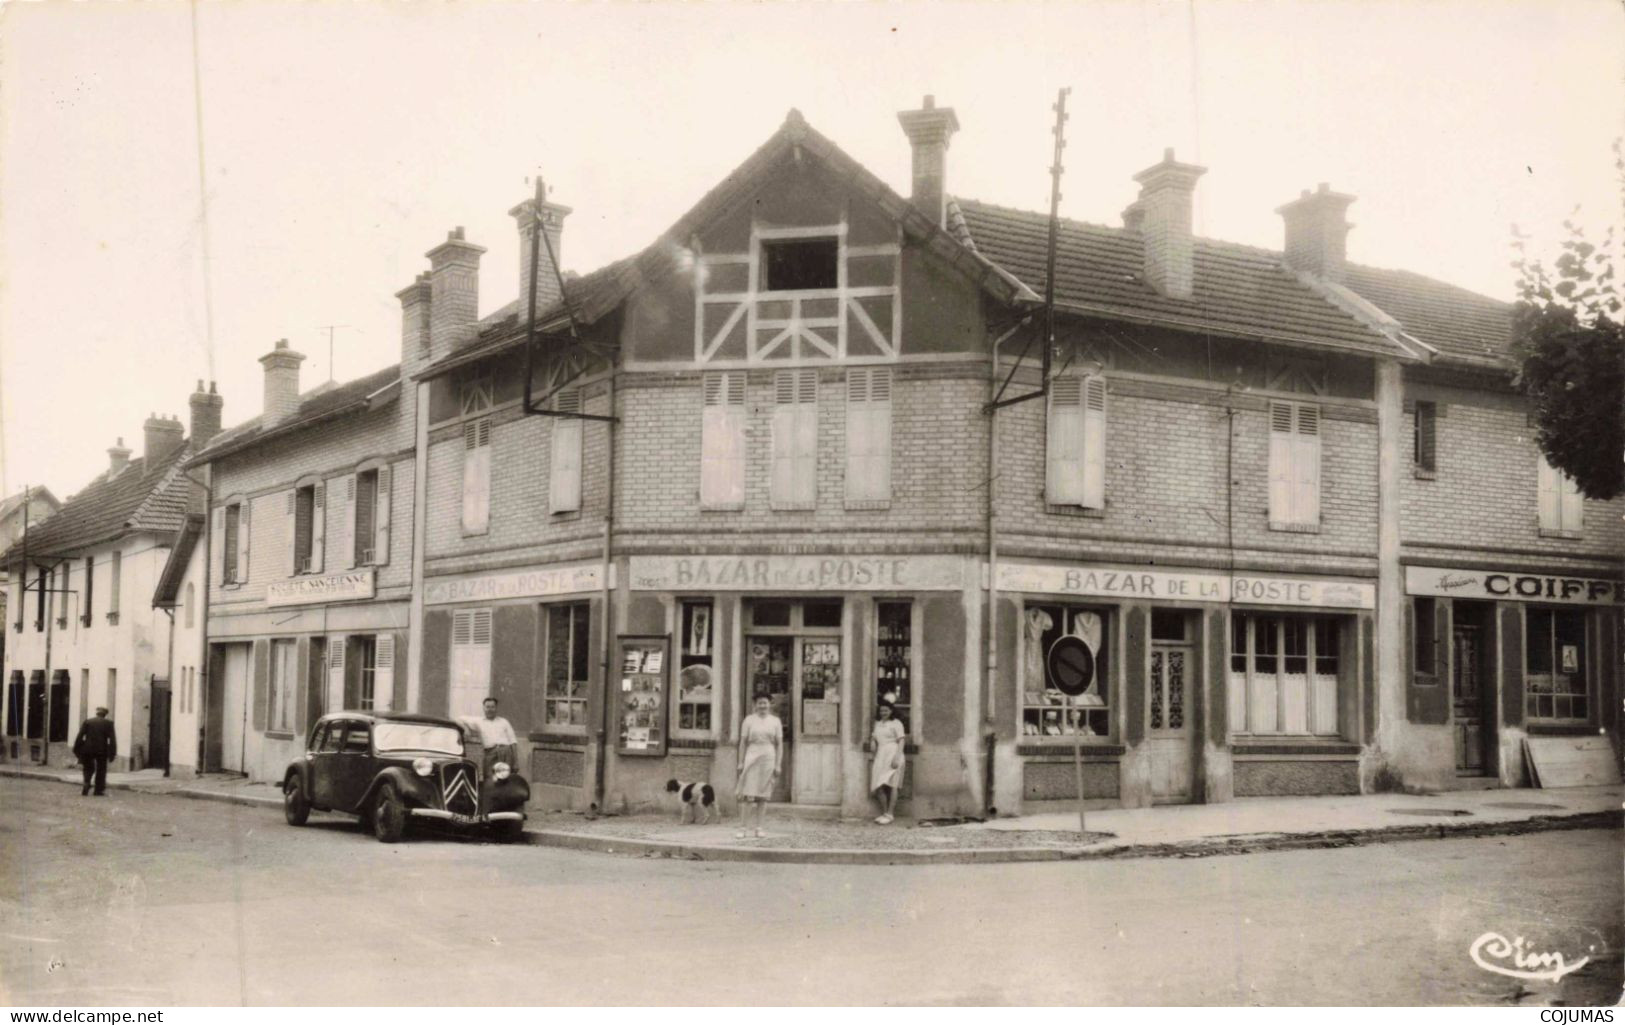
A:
x,y
355,585
1512,585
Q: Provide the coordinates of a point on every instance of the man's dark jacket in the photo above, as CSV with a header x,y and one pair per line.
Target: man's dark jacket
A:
x,y
96,738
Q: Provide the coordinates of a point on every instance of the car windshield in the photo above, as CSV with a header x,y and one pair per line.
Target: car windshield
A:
x,y
417,736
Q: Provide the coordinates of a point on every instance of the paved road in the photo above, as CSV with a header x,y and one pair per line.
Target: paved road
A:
x,y
150,900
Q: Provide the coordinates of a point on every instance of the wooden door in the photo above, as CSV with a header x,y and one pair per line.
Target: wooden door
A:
x,y
1467,699
234,707
772,668
818,720
1168,721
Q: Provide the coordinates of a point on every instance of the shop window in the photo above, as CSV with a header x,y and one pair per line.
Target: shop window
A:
x,y
284,683
477,475
894,682
794,482
1562,507
696,672
369,494
821,614
308,521
770,613
1425,634
722,441
59,707
801,264
1075,442
1283,675
1294,465
868,435
1424,452
564,690
564,486
1555,666
1044,709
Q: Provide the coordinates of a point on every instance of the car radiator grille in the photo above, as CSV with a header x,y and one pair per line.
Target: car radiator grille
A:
x,y
458,790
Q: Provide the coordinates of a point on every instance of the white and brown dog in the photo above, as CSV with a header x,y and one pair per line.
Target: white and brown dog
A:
x,y
699,801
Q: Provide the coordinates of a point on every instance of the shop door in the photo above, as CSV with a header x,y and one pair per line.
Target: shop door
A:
x,y
818,721
1467,697
1168,722
772,668
234,707
158,726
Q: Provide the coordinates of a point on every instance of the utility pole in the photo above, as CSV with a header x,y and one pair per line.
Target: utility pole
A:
x,y
330,328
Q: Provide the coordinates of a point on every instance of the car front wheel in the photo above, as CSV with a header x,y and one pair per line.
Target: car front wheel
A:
x,y
388,815
295,805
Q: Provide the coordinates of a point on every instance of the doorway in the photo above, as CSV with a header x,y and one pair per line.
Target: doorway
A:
x,y
233,705
795,655
158,726
1170,685
1471,692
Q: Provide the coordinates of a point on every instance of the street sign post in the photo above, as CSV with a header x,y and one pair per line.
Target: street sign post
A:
x,y
1072,670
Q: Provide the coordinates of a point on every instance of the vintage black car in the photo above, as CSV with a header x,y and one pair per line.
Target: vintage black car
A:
x,y
391,767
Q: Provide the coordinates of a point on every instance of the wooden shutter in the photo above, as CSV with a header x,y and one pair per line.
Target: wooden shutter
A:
x,y
1427,442
297,528
351,515
868,434
1282,491
243,525
318,528
1063,443
722,441
795,439
335,672
470,661
262,684
1306,465
564,488
380,515
1094,442
1562,506
477,475
383,673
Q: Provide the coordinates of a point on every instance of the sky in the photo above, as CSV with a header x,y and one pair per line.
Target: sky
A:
x,y
341,141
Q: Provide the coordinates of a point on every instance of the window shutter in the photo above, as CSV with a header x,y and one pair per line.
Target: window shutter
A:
x,y
335,672
1094,442
219,531
1427,442
262,685
1550,497
1306,465
784,431
476,476
350,508
383,674
318,528
380,516
564,489
1571,502
1280,470
868,434
295,535
243,523
470,661
722,442
1064,442
806,455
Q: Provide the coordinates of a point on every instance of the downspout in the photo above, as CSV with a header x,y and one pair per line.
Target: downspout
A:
x,y
607,595
50,622
169,669
201,766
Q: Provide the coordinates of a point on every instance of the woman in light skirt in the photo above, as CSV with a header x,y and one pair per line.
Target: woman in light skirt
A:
x,y
761,751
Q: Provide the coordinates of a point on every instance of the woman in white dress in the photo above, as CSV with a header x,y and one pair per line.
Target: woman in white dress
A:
x,y
761,750
886,771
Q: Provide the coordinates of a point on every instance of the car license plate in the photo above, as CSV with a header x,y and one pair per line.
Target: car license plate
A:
x,y
463,820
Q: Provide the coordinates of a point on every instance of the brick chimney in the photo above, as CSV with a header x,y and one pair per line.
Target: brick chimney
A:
x,y
547,283
206,409
164,435
928,130
1162,215
415,307
454,292
281,383
1317,231
118,457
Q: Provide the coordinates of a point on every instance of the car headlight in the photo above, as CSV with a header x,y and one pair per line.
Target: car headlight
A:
x,y
422,766
500,771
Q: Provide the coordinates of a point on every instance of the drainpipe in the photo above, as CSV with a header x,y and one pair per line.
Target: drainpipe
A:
x,y
609,618
50,622
169,663
201,765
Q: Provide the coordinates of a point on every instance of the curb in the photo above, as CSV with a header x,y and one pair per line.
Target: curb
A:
x,y
1207,847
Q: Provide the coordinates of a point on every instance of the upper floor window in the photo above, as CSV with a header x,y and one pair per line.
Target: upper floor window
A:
x,y
722,441
1562,507
477,475
309,520
1294,465
800,264
477,394
369,496
1075,471
232,521
1425,450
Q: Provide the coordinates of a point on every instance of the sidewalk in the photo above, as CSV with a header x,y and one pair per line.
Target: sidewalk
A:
x,y
1242,826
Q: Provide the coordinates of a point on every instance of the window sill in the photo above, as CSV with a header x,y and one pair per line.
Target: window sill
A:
x,y
692,743
84,621
723,508
1080,511
564,515
1563,535
794,507
569,739
1295,528
867,504
1560,729
1423,474
1294,746
1062,747
112,617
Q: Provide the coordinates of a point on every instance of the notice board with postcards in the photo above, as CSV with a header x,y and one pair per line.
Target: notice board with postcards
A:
x,y
644,670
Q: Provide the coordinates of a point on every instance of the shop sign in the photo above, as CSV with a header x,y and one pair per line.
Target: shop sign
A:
x,y
1512,585
1173,585
354,585
531,583
797,573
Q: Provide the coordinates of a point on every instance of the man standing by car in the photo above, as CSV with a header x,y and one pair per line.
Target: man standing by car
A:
x,y
497,739
95,746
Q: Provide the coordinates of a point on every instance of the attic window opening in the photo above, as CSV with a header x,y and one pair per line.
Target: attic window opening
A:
x,y
800,265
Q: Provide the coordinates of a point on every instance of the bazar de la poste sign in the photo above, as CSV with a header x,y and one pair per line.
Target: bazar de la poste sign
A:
x,y
568,578
351,585
798,572
1513,585
1186,585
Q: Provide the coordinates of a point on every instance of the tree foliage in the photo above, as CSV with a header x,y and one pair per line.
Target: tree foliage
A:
x,y
1569,338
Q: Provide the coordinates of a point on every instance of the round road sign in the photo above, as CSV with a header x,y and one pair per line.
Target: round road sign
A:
x,y
1071,665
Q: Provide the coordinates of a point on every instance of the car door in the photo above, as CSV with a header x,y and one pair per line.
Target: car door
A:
x,y
324,753
354,764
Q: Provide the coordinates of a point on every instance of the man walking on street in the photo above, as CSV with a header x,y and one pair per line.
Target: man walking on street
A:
x,y
496,738
95,746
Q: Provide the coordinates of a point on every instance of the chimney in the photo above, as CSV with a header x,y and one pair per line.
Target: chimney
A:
x,y
206,407
1162,215
164,435
281,383
547,283
118,457
928,130
1317,231
454,292
415,322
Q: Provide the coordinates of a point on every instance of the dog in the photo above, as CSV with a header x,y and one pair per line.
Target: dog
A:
x,y
699,801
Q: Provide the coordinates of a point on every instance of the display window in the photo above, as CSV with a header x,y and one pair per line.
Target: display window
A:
x,y
1045,711
1284,674
1555,666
